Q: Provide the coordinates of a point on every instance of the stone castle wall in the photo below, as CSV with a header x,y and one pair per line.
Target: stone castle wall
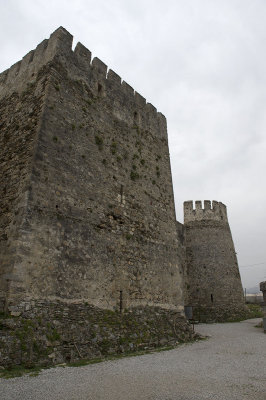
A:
x,y
212,277
263,305
92,260
19,125
97,219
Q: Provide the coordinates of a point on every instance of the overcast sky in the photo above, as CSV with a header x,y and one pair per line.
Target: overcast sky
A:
x,y
202,63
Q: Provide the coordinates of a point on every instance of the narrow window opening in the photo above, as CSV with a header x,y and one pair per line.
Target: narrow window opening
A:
x,y
121,301
135,115
100,88
121,194
212,298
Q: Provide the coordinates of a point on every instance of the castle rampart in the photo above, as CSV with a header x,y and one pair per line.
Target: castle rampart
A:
x,y
98,217
212,210
93,72
89,241
213,283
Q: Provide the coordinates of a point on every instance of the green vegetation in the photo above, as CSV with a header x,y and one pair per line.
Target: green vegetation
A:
x,y
115,332
134,175
255,311
113,147
137,129
19,370
3,315
53,335
99,142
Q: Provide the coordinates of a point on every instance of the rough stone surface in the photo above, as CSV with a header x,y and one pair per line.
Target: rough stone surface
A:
x,y
55,332
87,216
96,217
87,211
263,305
212,278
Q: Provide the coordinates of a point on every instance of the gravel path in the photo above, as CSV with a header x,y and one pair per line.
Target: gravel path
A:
x,y
230,365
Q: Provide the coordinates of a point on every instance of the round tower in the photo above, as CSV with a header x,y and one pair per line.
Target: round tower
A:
x,y
213,282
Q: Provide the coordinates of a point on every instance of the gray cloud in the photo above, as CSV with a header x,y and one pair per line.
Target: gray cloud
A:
x,y
201,63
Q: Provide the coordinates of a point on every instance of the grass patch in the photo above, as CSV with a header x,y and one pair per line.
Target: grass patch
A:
x,y
20,370
134,175
81,363
255,311
113,147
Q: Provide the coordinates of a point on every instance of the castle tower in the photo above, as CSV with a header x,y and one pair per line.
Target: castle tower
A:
x,y
213,283
87,207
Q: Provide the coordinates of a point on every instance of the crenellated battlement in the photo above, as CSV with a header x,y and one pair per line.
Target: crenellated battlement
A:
x,y
214,210
83,67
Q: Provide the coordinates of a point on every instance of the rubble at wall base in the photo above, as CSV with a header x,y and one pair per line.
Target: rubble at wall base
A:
x,y
52,333
227,313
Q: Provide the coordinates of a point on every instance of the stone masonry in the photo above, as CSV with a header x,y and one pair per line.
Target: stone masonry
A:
x,y
87,208
212,280
88,239
263,289
92,259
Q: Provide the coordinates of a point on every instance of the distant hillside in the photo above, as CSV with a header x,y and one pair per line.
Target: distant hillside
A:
x,y
254,289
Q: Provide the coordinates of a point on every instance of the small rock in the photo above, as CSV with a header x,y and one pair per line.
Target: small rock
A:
x,y
15,313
